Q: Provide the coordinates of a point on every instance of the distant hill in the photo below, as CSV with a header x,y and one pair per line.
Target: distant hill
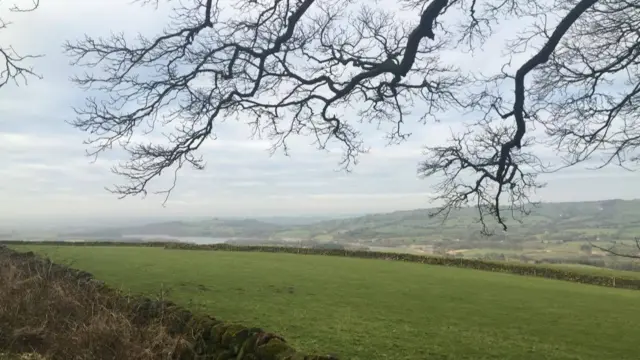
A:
x,y
299,220
219,228
615,219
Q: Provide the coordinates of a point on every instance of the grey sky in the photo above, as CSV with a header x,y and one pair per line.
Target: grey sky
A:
x,y
43,172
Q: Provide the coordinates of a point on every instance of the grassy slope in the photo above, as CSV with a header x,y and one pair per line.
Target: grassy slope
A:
x,y
368,309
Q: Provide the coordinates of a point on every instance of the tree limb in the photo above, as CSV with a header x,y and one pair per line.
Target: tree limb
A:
x,y
12,66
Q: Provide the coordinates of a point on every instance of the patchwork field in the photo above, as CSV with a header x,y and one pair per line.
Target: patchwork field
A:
x,y
370,309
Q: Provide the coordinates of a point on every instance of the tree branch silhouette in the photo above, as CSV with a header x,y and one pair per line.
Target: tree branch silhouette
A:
x,y
303,68
13,65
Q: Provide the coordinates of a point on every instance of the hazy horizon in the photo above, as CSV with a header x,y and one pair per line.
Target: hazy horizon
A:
x,y
53,223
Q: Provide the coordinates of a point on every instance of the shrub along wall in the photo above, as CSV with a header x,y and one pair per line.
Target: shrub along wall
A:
x,y
477,264
207,337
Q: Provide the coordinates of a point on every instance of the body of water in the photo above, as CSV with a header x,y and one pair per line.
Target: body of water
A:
x,y
200,240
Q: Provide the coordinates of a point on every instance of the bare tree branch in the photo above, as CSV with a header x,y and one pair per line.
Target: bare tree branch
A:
x,y
613,250
319,68
499,167
12,64
591,87
295,68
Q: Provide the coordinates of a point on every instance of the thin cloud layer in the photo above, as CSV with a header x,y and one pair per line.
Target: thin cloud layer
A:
x,y
44,172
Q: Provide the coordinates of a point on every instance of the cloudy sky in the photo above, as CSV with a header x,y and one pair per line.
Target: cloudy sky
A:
x,y
44,173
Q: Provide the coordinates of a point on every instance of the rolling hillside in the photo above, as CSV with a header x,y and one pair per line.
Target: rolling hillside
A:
x,y
610,219
614,218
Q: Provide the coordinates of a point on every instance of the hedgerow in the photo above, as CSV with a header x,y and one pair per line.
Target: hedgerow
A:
x,y
503,267
477,264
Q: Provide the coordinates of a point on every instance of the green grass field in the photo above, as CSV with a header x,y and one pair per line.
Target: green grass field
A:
x,y
373,310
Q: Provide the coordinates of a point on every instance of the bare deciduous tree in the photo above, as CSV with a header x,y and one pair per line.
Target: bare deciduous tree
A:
x,y
13,66
297,68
